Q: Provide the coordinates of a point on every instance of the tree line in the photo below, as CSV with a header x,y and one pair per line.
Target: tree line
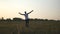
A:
x,y
19,19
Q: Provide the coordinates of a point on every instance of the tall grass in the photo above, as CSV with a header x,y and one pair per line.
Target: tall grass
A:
x,y
35,27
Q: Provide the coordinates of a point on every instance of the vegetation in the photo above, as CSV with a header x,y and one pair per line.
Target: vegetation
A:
x,y
36,26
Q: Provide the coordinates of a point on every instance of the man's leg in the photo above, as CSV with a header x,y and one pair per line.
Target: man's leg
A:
x,y
27,23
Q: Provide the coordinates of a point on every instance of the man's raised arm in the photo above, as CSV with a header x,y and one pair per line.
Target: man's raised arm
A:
x,y
21,14
30,12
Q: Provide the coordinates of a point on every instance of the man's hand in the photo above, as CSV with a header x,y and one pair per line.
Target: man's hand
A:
x,y
21,14
30,12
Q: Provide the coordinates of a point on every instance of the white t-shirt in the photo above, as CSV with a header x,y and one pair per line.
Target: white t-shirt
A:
x,y
26,16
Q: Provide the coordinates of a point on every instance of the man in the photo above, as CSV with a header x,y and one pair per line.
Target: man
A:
x,y
26,17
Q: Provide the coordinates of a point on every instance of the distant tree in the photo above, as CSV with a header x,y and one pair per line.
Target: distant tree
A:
x,y
46,19
58,20
41,19
2,19
31,19
36,19
17,19
51,20
8,19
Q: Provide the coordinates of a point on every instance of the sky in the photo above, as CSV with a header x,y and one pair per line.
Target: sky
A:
x,y
43,9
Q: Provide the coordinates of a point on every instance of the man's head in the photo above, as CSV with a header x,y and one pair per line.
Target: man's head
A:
x,y
25,12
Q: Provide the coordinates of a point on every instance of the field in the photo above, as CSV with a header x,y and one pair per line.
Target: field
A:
x,y
35,27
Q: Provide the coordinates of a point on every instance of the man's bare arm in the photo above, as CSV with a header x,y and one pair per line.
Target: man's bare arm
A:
x,y
30,12
21,14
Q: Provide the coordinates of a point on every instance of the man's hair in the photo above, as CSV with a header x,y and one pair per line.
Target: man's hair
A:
x,y
25,11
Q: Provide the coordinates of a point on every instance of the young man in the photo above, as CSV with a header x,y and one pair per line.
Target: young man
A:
x,y
26,17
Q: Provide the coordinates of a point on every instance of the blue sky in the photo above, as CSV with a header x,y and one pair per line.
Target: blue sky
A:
x,y
44,9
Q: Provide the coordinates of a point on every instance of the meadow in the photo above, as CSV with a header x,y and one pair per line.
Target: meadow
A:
x,y
36,26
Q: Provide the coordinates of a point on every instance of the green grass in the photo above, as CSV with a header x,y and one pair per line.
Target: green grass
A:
x,y
36,27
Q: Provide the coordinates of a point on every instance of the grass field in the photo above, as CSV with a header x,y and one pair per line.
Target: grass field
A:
x,y
35,27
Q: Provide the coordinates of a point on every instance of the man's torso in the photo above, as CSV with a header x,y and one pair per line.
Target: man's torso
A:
x,y
26,16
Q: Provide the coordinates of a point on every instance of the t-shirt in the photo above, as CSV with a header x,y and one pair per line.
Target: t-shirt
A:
x,y
26,16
